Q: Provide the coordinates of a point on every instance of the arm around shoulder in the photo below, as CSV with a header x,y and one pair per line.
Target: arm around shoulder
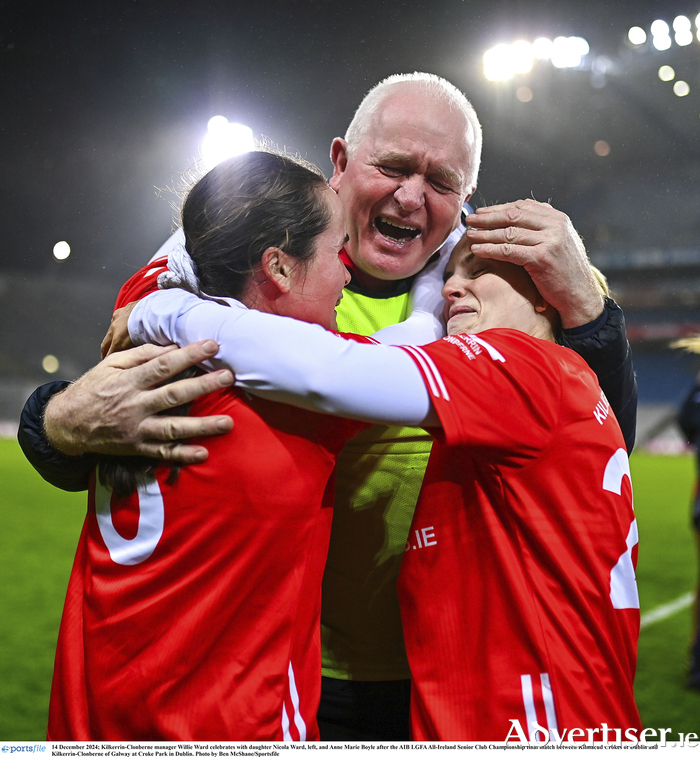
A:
x,y
70,473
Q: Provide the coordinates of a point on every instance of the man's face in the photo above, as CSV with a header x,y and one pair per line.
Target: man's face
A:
x,y
404,186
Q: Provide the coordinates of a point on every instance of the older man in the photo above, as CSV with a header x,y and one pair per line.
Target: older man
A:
x,y
407,165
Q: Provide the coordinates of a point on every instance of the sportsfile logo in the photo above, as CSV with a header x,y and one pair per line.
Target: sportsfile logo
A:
x,y
10,748
604,735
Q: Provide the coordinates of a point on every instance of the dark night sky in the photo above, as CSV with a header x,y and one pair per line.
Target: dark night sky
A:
x,y
104,102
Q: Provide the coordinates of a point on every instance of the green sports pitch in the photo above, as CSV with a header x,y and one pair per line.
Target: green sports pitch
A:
x,y
41,527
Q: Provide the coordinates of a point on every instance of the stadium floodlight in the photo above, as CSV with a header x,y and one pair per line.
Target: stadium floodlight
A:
x,y
498,63
521,56
681,88
661,42
61,250
542,48
661,38
697,21
636,35
683,37
660,29
504,61
50,364
683,29
567,52
666,73
224,140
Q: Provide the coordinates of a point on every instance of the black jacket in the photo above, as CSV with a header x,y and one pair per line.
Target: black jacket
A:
x,y
689,415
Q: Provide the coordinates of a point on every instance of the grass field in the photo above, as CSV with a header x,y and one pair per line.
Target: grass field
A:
x,y
41,527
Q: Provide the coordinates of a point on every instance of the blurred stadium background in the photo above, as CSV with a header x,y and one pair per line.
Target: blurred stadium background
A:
x,y
105,108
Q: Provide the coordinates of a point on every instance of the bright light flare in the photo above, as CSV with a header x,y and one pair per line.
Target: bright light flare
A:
x,y
521,56
504,61
50,364
497,63
666,73
542,48
636,35
681,88
224,140
567,52
661,43
661,38
61,250
684,30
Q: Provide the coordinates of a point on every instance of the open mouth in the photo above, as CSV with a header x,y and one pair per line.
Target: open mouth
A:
x,y
395,231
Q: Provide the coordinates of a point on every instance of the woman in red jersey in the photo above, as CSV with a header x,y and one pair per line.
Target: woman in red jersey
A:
x,y
518,596
193,605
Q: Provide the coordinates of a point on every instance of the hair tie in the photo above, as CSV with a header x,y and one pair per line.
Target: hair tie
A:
x,y
180,270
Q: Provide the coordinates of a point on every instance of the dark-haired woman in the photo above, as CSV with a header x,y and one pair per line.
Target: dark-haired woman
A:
x,y
518,597
193,606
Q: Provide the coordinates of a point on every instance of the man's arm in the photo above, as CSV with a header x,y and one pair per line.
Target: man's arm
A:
x,y
113,408
603,345
70,473
544,241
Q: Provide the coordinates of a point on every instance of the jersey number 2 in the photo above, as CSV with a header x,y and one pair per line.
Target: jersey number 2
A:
x,y
623,584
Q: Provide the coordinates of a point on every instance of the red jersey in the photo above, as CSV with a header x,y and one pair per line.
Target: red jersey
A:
x,y
517,589
193,608
143,282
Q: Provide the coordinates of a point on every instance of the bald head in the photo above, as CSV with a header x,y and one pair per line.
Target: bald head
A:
x,y
408,163
422,91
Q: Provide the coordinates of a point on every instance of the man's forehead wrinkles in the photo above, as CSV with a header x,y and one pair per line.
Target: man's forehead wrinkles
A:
x,y
397,156
413,161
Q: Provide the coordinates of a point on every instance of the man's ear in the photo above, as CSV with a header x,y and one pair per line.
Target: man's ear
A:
x,y
339,157
276,267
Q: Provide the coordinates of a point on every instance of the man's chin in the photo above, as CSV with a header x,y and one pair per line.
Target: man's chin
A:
x,y
394,264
